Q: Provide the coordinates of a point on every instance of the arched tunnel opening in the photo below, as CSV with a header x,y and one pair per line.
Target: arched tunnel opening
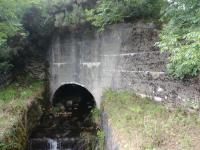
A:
x,y
74,99
68,123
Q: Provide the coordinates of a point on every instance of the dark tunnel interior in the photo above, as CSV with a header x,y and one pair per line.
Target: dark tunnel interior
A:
x,y
75,99
70,113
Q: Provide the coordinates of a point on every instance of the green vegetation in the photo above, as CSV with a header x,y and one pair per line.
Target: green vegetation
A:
x,y
181,37
72,19
145,124
11,13
30,23
33,22
101,139
13,103
114,11
96,116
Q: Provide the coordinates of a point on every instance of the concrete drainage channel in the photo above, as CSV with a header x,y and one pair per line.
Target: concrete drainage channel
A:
x,y
67,124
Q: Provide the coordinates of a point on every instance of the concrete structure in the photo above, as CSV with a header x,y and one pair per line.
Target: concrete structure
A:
x,y
122,57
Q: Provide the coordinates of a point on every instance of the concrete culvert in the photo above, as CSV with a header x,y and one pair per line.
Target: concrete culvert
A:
x,y
69,123
74,98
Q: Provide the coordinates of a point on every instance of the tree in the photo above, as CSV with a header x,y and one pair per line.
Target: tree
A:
x,y
11,13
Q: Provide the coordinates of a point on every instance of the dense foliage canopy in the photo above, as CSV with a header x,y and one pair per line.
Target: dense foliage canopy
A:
x,y
33,22
9,26
11,13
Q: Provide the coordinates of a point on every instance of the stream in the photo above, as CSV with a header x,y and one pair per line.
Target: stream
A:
x,y
68,124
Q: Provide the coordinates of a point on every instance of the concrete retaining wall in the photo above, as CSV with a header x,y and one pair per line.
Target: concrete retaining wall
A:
x,y
110,143
122,57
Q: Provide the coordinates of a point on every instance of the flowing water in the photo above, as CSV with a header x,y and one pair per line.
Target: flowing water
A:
x,y
53,144
63,131
68,124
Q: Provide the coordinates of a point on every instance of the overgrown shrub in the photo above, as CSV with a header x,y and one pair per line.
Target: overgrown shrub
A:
x,y
181,37
71,19
113,11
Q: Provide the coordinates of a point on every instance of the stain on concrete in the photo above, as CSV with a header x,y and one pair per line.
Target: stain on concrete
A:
x,y
124,56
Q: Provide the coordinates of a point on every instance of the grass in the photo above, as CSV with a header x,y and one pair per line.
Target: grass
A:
x,y
142,124
13,100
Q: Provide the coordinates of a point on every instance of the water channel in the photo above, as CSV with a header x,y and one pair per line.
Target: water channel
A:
x,y
66,124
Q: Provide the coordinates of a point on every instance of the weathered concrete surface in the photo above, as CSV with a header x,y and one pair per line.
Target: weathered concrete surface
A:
x,y
111,142
123,57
